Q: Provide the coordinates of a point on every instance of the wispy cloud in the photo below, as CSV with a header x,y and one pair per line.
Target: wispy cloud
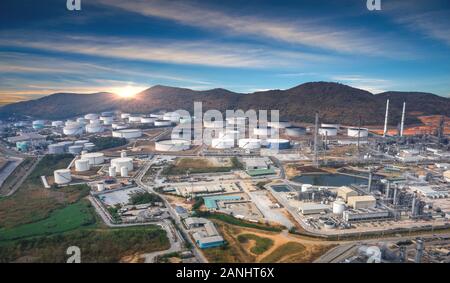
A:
x,y
373,85
306,32
173,52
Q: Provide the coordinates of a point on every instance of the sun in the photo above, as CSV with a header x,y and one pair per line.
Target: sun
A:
x,y
127,92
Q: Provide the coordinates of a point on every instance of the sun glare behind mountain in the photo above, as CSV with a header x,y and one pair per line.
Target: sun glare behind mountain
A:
x,y
127,92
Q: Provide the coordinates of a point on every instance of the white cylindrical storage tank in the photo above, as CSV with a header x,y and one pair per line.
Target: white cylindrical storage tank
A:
x,y
112,171
82,165
100,187
94,158
119,163
76,149
325,125
82,121
250,143
62,176
91,116
338,207
94,128
135,119
57,124
89,146
222,143
306,187
354,132
73,130
124,172
148,120
328,131
38,124
123,154
56,148
127,134
172,145
66,144
295,131
163,123
81,142
172,117
279,125
278,144
124,115
157,116
119,126
107,120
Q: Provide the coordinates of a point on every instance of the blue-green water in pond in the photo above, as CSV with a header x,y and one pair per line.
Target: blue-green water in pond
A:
x,y
334,180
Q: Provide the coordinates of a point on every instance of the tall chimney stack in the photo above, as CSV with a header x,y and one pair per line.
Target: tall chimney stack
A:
x,y
403,119
316,132
386,119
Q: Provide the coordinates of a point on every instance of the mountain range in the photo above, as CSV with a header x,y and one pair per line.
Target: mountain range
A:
x,y
335,103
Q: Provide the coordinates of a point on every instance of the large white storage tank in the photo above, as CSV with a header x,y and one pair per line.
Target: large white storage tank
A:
x,y
354,132
127,134
119,126
119,163
278,144
73,129
172,145
57,124
91,116
82,165
328,131
325,125
107,120
148,120
112,171
338,207
62,176
279,124
135,119
38,124
82,121
76,149
125,116
94,158
163,123
223,143
250,143
124,172
172,117
56,148
94,128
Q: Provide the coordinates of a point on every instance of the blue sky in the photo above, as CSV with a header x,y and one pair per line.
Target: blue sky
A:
x,y
243,46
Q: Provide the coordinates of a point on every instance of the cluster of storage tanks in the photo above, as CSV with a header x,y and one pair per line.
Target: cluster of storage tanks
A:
x,y
331,130
71,147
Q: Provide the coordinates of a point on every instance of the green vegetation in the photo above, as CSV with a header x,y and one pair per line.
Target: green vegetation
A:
x,y
114,212
238,222
102,143
97,245
66,219
32,202
287,249
144,197
199,201
237,164
261,244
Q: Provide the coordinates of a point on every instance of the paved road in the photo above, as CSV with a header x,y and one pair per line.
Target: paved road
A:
x,y
172,212
176,241
24,177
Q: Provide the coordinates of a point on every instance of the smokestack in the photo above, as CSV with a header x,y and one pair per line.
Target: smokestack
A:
x,y
419,251
394,202
388,188
370,180
414,204
386,118
403,119
316,131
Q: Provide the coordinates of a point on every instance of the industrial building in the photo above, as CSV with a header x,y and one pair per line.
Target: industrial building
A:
x,y
358,202
363,214
313,208
205,233
346,192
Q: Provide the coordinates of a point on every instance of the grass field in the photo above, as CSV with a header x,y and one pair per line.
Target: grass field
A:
x,y
283,251
96,245
259,245
32,202
234,221
62,220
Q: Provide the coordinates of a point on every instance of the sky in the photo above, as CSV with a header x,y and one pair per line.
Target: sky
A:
x,y
243,46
